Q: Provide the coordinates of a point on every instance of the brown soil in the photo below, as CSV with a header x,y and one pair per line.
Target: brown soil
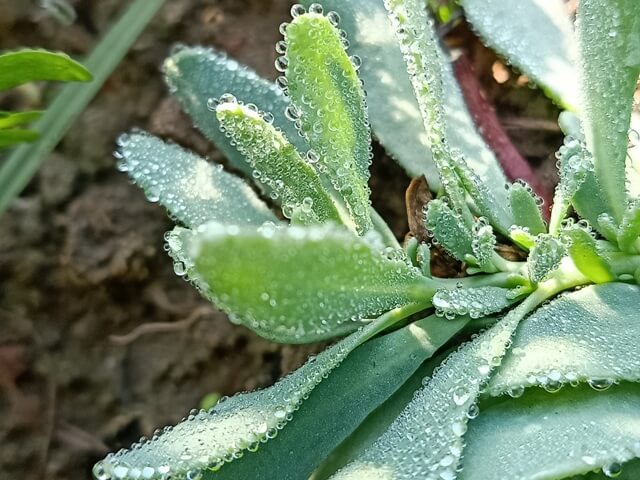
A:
x,y
81,252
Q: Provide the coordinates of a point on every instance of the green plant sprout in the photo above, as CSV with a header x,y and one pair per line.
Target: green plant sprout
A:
x,y
24,66
435,377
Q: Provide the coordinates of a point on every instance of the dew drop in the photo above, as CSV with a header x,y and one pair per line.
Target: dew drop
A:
x,y
612,470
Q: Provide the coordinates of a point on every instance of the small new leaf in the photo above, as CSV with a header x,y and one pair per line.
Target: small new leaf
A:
x,y
630,228
545,257
475,302
525,209
277,164
583,251
448,229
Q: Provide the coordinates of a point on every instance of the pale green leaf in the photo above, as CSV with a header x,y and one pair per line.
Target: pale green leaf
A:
x,y
475,302
583,251
630,228
542,436
340,403
299,284
448,229
27,65
197,74
607,31
534,36
277,164
525,208
328,104
427,438
393,109
193,190
545,257
235,426
591,334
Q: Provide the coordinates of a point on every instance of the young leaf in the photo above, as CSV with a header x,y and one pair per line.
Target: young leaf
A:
x,y
328,104
298,284
525,209
630,228
197,74
583,251
277,164
576,168
448,229
193,190
9,119
571,432
13,136
426,440
545,257
475,302
23,66
609,67
369,375
22,164
483,243
591,335
542,53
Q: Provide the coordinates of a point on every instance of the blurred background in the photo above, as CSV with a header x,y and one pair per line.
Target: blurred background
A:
x,y
100,342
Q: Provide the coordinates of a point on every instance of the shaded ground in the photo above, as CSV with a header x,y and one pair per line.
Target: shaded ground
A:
x,y
81,252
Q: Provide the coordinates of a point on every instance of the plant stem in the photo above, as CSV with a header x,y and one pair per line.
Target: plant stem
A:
x,y
392,317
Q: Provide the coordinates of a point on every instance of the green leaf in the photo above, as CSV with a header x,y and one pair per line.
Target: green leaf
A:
x,y
583,251
23,163
576,168
370,374
393,109
630,471
630,228
197,75
277,164
475,302
193,190
209,439
525,208
545,257
607,32
23,66
554,436
427,438
543,52
10,119
588,335
11,137
328,104
300,284
448,229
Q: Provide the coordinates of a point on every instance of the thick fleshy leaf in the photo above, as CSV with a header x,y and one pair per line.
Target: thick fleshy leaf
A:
x,y
277,164
525,208
583,250
630,228
426,440
545,257
592,334
298,284
209,439
448,229
543,53
475,302
609,66
393,109
27,65
193,190
197,75
341,402
554,436
328,104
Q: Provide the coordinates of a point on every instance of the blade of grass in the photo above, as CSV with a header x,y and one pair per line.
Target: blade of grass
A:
x,y
22,164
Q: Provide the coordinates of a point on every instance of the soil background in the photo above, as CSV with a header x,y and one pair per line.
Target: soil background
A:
x,y
100,342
